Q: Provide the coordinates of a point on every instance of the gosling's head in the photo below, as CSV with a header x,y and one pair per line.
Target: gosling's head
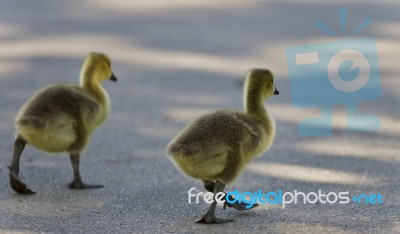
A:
x,y
261,81
99,65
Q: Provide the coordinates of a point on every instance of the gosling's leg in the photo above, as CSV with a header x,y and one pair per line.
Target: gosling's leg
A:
x,y
209,217
15,182
236,205
77,182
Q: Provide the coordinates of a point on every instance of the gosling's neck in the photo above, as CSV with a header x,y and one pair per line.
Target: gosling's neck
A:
x,y
254,107
89,82
253,100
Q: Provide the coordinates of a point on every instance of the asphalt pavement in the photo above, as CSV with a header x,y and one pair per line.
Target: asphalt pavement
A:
x,y
174,61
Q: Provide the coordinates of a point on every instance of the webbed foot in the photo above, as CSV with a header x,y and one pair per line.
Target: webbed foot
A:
x,y
17,185
209,218
239,206
236,205
76,184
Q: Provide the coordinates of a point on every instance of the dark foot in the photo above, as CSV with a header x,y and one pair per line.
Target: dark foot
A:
x,y
237,206
208,218
80,185
77,182
17,185
209,186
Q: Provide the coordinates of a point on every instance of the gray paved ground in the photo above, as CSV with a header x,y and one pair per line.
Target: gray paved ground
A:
x,y
176,60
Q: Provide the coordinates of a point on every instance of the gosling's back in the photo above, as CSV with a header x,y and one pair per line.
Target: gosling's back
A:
x,y
221,129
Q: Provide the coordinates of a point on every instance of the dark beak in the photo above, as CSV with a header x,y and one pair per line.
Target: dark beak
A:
x,y
276,92
113,78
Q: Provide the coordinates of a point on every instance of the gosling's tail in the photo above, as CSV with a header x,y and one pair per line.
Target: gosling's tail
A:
x,y
32,122
180,150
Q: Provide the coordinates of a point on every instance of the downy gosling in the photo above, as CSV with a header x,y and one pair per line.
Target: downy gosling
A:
x,y
216,147
62,118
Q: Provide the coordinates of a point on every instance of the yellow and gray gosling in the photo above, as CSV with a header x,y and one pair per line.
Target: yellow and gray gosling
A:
x,y
62,117
216,147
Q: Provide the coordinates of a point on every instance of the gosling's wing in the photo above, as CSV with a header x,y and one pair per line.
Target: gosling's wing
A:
x,y
255,136
88,105
86,100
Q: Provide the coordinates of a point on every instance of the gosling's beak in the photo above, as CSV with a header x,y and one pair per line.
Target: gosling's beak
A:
x,y
113,78
276,92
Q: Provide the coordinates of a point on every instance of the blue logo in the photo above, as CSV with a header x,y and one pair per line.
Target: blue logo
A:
x,y
337,73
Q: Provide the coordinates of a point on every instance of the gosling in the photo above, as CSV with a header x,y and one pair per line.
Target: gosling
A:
x,y
216,147
62,117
